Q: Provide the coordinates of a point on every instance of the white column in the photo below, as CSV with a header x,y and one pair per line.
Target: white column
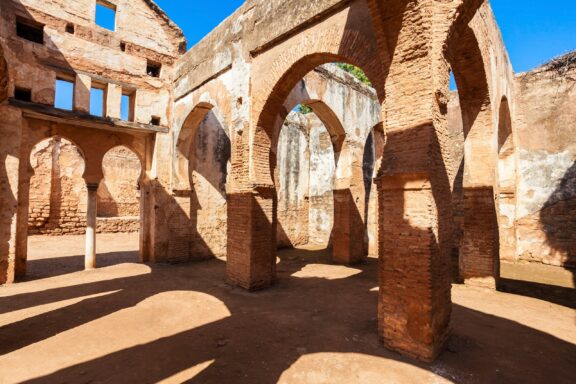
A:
x,y
90,258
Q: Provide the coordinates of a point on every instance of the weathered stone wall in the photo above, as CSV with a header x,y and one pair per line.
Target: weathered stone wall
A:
x,y
58,191
305,182
546,176
306,162
456,132
322,173
76,49
209,166
293,181
119,191
93,54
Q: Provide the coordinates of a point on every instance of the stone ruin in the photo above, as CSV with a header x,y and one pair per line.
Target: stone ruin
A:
x,y
204,153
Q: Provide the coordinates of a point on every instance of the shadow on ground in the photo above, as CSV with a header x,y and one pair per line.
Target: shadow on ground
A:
x,y
51,267
269,331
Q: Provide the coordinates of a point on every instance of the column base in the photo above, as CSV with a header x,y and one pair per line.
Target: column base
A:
x,y
251,262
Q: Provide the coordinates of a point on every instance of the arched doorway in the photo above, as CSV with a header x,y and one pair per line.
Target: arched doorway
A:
x,y
119,206
304,178
473,177
349,190
57,209
197,220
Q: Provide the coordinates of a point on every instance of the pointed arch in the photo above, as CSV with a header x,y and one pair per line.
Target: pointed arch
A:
x,y
181,181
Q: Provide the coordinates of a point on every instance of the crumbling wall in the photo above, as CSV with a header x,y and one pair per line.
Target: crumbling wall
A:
x,y
209,163
305,182
58,191
119,192
307,163
293,181
76,48
322,172
546,180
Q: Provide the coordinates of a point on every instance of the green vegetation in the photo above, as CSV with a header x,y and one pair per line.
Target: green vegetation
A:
x,y
304,109
356,72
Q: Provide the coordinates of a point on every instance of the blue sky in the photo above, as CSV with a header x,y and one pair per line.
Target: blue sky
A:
x,y
534,30
197,18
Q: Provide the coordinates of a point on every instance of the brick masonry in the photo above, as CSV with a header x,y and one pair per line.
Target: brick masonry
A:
x,y
208,185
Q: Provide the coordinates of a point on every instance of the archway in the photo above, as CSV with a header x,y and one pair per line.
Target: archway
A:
x,y
57,208
304,177
474,175
336,113
197,220
348,141
119,207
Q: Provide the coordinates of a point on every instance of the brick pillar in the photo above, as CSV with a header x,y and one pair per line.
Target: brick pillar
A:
x,y
251,262
414,304
349,230
479,260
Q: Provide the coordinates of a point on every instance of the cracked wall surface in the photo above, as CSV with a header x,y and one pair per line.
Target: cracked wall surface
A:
x,y
546,208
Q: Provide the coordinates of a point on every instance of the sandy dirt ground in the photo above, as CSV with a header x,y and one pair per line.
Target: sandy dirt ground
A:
x,y
133,323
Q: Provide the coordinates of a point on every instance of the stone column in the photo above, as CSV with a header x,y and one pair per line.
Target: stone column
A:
x,y
91,210
251,260
22,222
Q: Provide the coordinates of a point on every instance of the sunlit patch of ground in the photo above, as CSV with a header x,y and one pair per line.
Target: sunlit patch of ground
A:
x,y
134,323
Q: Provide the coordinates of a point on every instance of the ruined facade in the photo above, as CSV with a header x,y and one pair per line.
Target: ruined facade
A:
x,y
58,192
212,130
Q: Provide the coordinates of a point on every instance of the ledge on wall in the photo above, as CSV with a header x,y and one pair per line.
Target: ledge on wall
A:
x,y
49,113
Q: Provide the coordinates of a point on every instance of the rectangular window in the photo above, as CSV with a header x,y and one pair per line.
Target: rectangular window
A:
x,y
97,101
155,120
106,15
64,94
30,30
127,106
23,94
153,69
